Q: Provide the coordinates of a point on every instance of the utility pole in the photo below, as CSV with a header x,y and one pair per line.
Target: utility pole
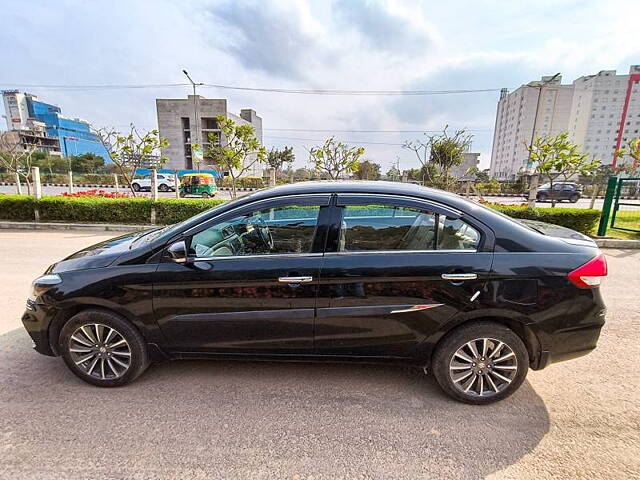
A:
x,y
533,186
196,128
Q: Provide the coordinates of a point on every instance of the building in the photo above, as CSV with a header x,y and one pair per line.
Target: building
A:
x,y
25,112
600,112
181,126
471,159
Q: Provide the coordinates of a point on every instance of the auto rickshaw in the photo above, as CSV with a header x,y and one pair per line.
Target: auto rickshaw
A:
x,y
200,184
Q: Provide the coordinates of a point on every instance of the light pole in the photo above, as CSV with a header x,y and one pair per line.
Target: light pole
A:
x,y
533,185
196,130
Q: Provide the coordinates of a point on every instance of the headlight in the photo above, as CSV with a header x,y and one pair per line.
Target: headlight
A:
x,y
42,284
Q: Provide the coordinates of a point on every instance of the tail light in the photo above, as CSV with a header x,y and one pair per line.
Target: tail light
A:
x,y
590,274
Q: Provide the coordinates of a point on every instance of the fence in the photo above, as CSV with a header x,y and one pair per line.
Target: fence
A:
x,y
621,209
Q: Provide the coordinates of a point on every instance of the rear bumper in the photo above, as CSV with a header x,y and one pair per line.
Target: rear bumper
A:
x,y
569,344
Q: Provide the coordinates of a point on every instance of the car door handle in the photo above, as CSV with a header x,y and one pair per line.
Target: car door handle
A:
x,y
458,277
295,279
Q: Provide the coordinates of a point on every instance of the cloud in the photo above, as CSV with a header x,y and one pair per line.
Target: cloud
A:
x,y
266,36
383,29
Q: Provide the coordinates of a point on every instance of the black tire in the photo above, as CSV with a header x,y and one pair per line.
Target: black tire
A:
x,y
574,198
136,187
205,195
542,197
163,188
182,194
443,359
138,359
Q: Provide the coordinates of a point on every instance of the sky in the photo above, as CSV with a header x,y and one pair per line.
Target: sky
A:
x,y
290,44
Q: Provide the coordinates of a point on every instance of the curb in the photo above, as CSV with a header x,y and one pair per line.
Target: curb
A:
x,y
109,227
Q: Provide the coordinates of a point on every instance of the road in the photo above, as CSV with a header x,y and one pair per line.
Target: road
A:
x,y
582,203
198,419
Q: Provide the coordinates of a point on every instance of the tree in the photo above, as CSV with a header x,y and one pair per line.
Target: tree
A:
x,y
86,163
277,158
238,152
439,153
393,173
367,170
133,150
16,157
633,150
335,158
556,156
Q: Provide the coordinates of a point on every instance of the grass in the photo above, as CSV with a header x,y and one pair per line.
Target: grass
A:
x,y
626,219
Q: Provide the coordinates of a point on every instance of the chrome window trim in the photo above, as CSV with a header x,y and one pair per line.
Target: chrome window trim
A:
x,y
262,255
386,252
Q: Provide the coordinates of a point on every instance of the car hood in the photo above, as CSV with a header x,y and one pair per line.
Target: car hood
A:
x,y
99,255
564,233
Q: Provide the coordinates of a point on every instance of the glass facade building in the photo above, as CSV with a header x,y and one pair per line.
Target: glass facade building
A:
x,y
75,136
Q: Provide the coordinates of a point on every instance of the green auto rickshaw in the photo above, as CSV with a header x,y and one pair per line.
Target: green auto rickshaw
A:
x,y
200,184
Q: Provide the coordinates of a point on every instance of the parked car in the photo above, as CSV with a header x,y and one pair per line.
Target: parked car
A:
x,y
166,183
337,271
561,191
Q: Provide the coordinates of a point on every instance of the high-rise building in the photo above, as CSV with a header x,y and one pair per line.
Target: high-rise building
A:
x,y
184,122
24,112
600,112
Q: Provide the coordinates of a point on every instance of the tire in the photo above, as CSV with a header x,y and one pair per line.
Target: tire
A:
x,y
182,194
205,195
542,197
485,385
108,367
163,188
574,198
136,187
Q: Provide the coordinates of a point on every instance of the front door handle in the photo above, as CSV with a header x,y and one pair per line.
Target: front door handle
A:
x,y
459,277
295,279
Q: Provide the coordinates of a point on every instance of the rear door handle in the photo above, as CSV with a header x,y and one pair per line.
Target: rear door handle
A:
x,y
295,279
458,277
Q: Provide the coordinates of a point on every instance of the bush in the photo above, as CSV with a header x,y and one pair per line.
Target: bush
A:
x,y
17,208
172,210
243,182
95,210
582,220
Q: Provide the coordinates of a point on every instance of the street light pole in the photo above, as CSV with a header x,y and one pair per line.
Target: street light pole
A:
x,y
533,186
196,129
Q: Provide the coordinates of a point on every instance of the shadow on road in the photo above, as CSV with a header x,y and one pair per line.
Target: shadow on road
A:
x,y
261,420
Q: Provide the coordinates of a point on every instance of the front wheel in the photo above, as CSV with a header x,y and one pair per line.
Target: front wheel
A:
x,y
136,187
205,195
542,197
480,363
163,188
574,198
102,348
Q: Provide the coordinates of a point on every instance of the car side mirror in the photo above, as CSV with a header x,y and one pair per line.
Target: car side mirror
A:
x,y
178,252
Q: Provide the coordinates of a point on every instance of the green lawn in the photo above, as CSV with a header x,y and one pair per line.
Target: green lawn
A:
x,y
626,219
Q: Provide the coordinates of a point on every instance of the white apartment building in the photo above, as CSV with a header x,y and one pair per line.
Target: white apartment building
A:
x,y
601,112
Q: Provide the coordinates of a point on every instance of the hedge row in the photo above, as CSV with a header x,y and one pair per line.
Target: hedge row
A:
x,y
582,220
101,210
138,211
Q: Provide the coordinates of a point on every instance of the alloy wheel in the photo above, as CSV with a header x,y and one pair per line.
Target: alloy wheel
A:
x,y
100,351
483,367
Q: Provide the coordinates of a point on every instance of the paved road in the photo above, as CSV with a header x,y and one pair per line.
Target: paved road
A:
x,y
197,419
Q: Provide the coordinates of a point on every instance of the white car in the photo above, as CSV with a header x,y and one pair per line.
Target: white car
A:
x,y
165,183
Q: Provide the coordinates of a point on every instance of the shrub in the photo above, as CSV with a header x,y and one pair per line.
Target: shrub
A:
x,y
96,193
172,210
95,210
243,182
582,220
17,208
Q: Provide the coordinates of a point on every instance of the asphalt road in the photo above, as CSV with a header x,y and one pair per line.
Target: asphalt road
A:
x,y
198,419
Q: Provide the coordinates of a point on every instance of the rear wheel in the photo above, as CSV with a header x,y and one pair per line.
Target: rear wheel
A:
x,y
102,348
163,188
480,363
574,198
205,195
542,197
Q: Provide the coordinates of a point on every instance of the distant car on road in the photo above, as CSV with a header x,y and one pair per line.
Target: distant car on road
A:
x,y
370,272
166,183
561,191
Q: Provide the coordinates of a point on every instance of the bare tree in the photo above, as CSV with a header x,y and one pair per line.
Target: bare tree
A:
x,y
16,157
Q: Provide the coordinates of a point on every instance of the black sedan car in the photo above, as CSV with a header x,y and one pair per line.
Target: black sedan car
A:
x,y
337,271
